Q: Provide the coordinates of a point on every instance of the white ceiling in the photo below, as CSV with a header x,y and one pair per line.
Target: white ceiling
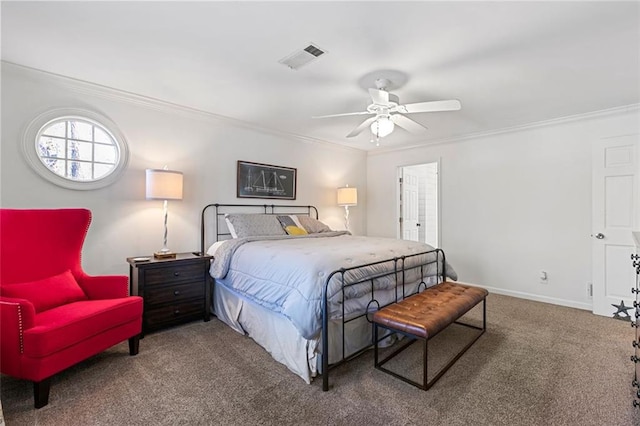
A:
x,y
509,63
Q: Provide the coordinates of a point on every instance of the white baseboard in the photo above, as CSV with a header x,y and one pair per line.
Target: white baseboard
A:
x,y
534,297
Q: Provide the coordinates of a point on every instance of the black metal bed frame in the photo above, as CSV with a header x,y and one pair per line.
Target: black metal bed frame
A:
x,y
401,265
400,268
274,209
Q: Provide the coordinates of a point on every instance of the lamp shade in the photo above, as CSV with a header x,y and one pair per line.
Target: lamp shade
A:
x,y
164,184
347,196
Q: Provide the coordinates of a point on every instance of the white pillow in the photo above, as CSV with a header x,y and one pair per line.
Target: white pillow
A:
x,y
313,226
230,227
214,247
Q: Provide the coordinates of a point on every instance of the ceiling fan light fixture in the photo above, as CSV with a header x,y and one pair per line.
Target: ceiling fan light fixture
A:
x,y
383,126
386,112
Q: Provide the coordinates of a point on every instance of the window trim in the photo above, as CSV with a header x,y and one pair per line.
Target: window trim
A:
x,y
33,129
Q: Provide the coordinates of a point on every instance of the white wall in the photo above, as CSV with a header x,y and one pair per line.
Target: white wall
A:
x,y
203,147
512,204
431,204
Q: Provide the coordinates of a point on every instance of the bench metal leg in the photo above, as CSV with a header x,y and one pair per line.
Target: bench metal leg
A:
x,y
379,364
426,385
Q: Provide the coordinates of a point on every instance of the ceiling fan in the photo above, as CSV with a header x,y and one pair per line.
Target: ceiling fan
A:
x,y
388,112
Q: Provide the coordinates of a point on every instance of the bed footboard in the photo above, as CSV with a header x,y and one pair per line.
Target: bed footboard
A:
x,y
430,268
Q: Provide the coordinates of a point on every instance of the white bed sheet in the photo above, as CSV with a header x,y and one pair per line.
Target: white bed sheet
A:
x,y
280,338
273,332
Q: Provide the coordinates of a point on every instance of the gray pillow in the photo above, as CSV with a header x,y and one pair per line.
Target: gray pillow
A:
x,y
255,225
313,226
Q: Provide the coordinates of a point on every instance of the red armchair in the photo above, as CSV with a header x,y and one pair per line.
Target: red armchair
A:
x,y
52,314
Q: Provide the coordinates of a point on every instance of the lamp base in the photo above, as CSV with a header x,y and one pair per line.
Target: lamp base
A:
x,y
164,255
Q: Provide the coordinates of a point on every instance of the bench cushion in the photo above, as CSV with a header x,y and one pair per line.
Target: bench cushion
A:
x,y
425,314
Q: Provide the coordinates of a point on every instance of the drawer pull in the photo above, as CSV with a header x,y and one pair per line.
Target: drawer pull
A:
x,y
176,274
176,312
176,293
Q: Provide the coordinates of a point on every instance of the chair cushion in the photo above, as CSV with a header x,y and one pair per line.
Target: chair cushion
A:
x,y
66,325
47,293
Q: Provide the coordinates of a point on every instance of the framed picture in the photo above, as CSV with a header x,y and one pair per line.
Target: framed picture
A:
x,y
257,180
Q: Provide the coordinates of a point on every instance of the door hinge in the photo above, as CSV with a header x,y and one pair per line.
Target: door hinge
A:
x,y
400,220
400,180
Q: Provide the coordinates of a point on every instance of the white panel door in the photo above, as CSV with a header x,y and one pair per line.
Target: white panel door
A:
x,y
614,216
410,205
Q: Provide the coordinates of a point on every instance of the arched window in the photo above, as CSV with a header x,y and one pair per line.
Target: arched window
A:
x,y
75,149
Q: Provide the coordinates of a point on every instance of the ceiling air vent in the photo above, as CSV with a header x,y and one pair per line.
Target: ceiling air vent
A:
x,y
302,57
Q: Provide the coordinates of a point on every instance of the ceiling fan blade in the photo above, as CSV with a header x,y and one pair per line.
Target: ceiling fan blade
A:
x,y
342,115
379,97
408,124
366,123
433,106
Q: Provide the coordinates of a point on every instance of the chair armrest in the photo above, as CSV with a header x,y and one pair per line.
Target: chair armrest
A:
x,y
14,310
104,287
16,316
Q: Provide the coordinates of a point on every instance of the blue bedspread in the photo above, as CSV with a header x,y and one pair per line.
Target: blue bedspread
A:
x,y
287,274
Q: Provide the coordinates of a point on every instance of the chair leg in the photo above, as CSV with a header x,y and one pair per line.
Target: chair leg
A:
x,y
134,345
41,392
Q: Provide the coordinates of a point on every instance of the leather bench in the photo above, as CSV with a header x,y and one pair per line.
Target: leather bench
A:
x,y
422,316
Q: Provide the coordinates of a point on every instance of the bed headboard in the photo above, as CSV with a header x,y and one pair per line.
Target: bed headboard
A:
x,y
214,228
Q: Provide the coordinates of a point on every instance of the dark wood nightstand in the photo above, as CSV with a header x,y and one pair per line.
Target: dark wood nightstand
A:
x,y
174,290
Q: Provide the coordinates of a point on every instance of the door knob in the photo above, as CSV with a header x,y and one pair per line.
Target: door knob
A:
x,y
599,235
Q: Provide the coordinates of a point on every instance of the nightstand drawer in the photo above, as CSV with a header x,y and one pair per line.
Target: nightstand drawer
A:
x,y
175,273
174,293
173,313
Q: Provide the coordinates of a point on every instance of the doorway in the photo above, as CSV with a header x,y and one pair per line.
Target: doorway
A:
x,y
419,203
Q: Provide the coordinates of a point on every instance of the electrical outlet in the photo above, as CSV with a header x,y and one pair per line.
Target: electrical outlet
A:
x,y
544,277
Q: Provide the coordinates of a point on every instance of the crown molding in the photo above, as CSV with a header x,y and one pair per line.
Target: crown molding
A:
x,y
117,95
514,129
109,93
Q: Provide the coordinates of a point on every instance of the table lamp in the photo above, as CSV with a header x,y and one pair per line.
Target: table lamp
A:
x,y
163,184
347,196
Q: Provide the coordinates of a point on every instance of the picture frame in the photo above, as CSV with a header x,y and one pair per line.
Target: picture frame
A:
x,y
257,180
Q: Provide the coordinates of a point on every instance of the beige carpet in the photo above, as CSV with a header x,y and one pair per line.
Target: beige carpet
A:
x,y
537,364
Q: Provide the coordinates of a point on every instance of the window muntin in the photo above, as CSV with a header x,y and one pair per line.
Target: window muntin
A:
x,y
77,149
